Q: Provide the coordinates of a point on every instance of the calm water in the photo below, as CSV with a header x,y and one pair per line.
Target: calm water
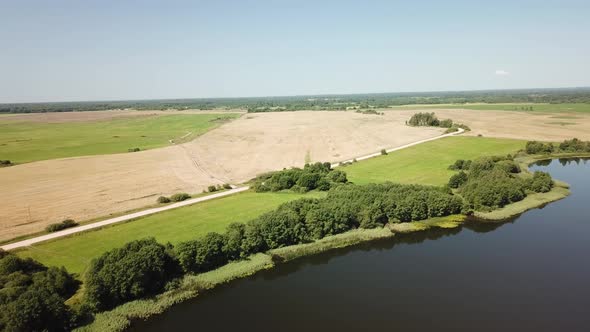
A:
x,y
529,274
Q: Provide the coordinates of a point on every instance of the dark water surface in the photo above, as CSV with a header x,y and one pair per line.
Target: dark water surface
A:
x,y
529,274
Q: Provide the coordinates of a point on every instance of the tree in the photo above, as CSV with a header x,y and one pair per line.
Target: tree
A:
x,y
458,179
138,269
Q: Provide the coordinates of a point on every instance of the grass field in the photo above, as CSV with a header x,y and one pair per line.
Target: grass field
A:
x,y
172,226
23,142
427,163
582,108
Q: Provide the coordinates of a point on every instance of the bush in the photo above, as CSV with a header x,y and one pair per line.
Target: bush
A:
x,y
60,226
163,200
4,163
138,269
312,176
134,150
508,166
541,182
534,147
460,165
447,123
203,254
226,186
179,197
212,189
574,145
458,180
383,152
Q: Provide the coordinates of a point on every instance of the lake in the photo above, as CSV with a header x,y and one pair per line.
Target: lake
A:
x,y
528,274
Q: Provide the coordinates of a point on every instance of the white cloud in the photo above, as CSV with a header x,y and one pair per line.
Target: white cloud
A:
x,y
501,72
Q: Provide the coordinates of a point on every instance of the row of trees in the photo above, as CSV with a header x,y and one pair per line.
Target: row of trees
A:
x,y
430,120
319,176
567,146
142,268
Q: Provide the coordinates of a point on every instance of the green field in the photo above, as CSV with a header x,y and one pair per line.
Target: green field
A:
x,y
23,142
427,163
172,226
581,108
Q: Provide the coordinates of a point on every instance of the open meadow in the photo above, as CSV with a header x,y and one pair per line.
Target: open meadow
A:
x,y
428,163
33,137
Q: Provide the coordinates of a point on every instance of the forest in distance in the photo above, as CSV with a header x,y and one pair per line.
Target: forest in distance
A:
x,y
318,102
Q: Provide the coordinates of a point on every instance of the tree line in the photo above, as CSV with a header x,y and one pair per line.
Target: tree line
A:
x,y
567,146
317,102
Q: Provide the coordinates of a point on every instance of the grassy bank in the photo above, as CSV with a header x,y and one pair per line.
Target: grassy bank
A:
x,y
532,201
23,142
428,163
331,242
174,226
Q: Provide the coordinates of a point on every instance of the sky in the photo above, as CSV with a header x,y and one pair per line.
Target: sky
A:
x,y
120,50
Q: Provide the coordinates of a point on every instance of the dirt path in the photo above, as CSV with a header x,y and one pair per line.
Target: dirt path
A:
x,y
70,231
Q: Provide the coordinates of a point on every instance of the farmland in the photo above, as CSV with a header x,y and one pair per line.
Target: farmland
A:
x,y
28,138
520,107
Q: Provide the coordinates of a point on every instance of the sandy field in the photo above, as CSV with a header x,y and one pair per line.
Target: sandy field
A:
x,y
40,193
521,125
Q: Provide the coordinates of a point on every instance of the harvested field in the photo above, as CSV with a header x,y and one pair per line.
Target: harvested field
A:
x,y
37,194
520,125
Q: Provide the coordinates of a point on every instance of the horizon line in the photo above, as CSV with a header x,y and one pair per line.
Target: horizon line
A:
x,y
292,96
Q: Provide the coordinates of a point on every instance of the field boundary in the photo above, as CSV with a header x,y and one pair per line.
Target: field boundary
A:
x,y
135,215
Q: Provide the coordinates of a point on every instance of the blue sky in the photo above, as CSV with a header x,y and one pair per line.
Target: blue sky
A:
x,y
106,50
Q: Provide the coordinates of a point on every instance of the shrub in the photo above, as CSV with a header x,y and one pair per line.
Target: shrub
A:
x,y
4,163
179,197
458,180
541,182
212,188
312,176
163,200
534,147
226,186
61,225
508,166
447,123
203,254
383,152
574,145
138,269
134,150
460,165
